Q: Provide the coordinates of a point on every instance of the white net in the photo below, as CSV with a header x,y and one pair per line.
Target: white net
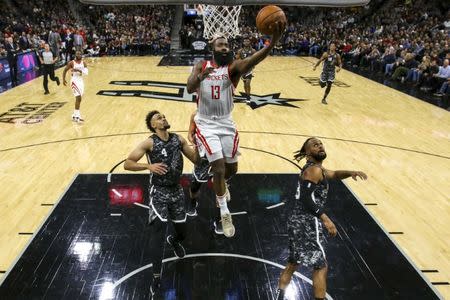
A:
x,y
221,20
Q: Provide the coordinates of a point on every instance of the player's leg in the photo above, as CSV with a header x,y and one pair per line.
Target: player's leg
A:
x,y
158,226
285,279
77,89
45,75
319,278
176,210
200,176
247,87
327,91
207,133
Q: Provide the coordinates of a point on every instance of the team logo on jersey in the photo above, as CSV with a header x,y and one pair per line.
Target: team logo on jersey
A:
x,y
181,94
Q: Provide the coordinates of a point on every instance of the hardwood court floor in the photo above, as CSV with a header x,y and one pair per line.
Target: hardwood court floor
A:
x,y
402,143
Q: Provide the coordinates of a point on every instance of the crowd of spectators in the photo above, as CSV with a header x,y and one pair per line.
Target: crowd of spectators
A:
x,y
407,41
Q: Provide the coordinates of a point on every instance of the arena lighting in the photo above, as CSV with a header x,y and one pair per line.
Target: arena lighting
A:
x,y
329,3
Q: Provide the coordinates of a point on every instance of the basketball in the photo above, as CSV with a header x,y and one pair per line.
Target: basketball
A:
x,y
267,17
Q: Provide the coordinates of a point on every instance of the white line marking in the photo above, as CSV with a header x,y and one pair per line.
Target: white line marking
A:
x,y
141,205
275,205
115,215
238,213
131,274
108,179
117,193
110,93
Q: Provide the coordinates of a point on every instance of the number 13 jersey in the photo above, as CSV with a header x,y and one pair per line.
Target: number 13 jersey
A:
x,y
215,94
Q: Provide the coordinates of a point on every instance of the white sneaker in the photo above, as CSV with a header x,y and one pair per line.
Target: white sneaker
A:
x,y
77,119
227,225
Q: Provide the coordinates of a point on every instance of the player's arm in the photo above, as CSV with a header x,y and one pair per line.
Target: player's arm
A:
x,y
85,70
324,56
192,127
339,62
311,177
67,68
242,66
342,174
197,76
131,163
190,152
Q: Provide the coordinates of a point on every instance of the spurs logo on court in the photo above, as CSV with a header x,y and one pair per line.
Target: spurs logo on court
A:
x,y
30,113
181,94
314,81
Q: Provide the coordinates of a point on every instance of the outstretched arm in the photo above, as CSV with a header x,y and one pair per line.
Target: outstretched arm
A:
x,y
311,177
342,174
131,163
242,66
324,56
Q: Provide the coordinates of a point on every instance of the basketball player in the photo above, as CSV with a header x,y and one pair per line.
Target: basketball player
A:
x,y
165,163
306,221
331,59
243,53
215,81
78,68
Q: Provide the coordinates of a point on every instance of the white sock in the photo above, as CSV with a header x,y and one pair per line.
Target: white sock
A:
x,y
223,205
76,112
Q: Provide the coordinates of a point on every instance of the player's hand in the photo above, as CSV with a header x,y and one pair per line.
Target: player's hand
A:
x,y
329,225
158,168
206,72
338,69
314,68
277,33
361,175
64,82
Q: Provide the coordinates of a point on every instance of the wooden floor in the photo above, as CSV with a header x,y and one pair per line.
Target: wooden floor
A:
x,y
402,143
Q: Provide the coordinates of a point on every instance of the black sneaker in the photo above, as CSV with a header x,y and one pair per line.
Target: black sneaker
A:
x,y
57,81
46,93
192,209
178,249
156,285
218,227
279,295
324,101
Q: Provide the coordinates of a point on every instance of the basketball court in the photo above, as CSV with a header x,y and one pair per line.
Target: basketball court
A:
x,y
89,245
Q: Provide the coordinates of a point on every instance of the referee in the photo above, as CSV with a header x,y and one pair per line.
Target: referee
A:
x,y
48,67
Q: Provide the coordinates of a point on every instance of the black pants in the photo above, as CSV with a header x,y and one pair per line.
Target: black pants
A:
x,y
46,71
158,238
13,70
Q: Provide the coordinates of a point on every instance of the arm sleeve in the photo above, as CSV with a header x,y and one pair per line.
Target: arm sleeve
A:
x,y
307,198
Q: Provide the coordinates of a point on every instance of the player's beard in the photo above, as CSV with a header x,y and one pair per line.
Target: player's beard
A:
x,y
319,156
166,126
223,58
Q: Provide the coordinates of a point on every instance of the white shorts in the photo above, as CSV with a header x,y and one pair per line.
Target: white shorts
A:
x,y
218,138
77,86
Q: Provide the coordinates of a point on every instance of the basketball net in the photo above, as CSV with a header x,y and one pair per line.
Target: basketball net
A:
x,y
220,20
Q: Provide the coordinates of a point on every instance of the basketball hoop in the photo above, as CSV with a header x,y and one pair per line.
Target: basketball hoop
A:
x,y
220,20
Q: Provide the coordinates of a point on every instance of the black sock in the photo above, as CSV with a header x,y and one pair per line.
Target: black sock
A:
x,y
280,294
319,298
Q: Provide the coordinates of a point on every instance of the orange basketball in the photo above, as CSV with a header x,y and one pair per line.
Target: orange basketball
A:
x,y
267,17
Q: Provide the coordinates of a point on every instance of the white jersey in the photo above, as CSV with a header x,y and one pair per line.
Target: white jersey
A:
x,y
77,83
215,94
77,66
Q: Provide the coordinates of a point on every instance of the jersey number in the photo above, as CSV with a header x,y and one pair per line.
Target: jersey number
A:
x,y
163,151
215,91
